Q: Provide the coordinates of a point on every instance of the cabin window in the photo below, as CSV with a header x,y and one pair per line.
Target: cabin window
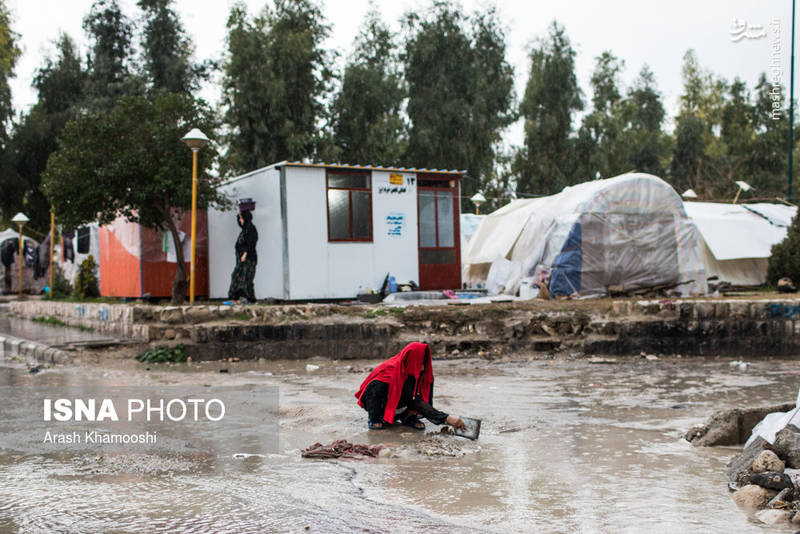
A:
x,y
349,206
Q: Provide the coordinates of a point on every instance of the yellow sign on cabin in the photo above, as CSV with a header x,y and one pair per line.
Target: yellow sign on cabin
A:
x,y
396,179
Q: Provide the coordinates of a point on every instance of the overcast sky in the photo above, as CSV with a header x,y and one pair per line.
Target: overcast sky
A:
x,y
726,34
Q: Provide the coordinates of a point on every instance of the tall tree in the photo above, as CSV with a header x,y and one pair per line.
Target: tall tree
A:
x,y
697,147
460,91
602,149
110,33
367,122
60,83
688,156
9,52
644,115
545,165
130,162
167,50
276,76
767,164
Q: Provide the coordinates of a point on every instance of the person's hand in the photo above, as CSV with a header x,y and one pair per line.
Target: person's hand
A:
x,y
244,255
455,422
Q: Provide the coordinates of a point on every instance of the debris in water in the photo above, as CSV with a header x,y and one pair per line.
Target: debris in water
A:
x,y
33,369
341,448
243,455
742,366
310,367
597,359
433,445
223,370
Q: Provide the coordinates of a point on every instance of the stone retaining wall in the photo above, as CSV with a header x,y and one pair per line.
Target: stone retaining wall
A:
x,y
757,327
119,319
11,347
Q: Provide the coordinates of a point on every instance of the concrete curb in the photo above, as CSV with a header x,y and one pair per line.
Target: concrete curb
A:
x,y
11,347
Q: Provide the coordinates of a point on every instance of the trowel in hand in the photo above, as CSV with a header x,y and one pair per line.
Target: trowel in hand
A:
x,y
472,430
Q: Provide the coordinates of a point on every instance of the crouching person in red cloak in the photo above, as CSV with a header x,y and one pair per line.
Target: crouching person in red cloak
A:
x,y
401,390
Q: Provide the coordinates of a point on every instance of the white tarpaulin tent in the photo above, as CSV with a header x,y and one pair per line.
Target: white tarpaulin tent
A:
x,y
737,238
629,231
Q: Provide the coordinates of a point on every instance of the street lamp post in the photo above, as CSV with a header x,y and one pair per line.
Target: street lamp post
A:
x,y
477,199
52,239
20,219
195,140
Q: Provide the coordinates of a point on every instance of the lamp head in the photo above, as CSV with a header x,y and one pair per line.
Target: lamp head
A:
x,y
195,139
478,199
20,218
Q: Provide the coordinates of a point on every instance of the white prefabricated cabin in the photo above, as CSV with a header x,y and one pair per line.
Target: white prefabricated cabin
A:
x,y
328,230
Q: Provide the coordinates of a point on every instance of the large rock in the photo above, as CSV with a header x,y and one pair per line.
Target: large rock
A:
x,y
773,481
787,445
768,461
796,519
741,466
794,474
752,497
731,427
198,314
774,517
171,315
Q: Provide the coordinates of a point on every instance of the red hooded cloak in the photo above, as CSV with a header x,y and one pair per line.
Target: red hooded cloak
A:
x,y
395,370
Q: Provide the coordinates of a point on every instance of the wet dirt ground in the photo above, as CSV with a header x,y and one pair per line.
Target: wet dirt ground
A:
x,y
565,446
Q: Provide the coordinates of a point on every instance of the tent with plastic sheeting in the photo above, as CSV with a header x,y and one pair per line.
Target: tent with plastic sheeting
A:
x,y
736,239
626,232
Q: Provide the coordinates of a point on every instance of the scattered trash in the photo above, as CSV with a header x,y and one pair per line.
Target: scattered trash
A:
x,y
311,367
243,455
598,360
341,448
33,369
223,370
742,366
785,285
667,304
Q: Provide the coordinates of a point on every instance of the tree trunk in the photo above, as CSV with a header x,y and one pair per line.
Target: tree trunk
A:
x,y
180,285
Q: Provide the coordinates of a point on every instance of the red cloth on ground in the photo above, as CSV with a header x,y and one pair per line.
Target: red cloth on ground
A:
x,y
395,370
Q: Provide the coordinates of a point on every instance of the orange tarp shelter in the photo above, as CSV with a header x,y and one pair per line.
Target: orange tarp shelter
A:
x,y
138,262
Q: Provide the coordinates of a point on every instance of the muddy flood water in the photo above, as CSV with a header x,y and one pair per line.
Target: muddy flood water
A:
x,y
565,446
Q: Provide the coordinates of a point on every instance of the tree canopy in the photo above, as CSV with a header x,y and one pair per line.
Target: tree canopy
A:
x,y
546,162
460,88
276,75
131,162
366,113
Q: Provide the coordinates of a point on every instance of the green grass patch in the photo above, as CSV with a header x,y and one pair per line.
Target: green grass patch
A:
x,y
86,300
163,355
53,321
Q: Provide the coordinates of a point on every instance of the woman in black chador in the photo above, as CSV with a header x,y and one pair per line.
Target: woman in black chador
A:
x,y
246,259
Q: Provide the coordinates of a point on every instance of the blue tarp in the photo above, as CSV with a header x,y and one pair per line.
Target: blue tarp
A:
x,y
565,278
